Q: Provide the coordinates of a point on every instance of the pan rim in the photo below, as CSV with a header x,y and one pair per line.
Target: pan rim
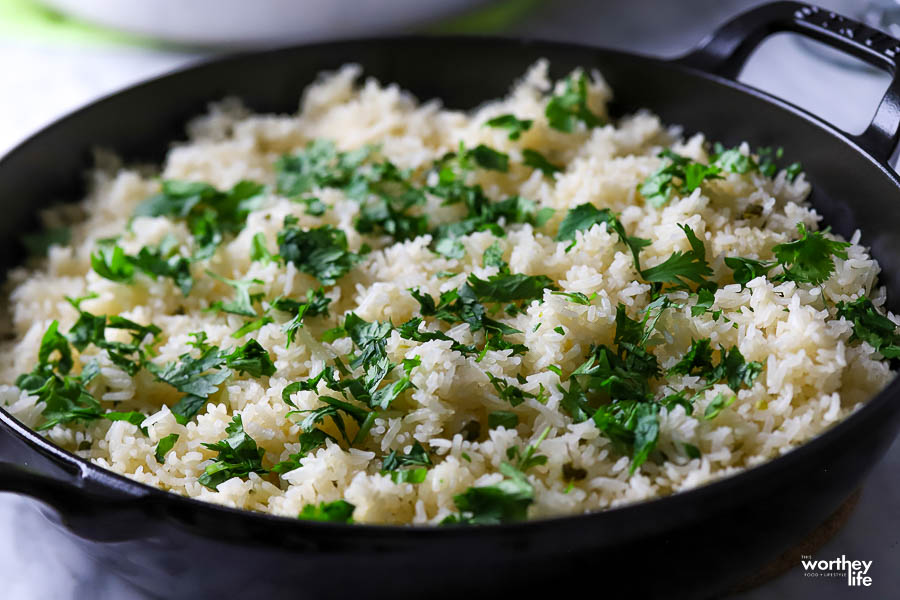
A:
x,y
705,493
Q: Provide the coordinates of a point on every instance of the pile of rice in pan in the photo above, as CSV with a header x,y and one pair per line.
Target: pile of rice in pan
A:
x,y
384,311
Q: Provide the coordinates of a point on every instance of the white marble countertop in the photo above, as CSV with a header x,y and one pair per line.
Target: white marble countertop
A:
x,y
50,80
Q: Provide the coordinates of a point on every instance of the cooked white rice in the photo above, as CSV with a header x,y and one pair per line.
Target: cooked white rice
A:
x,y
811,379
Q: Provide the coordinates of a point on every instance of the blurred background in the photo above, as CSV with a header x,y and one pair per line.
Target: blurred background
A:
x,y
56,55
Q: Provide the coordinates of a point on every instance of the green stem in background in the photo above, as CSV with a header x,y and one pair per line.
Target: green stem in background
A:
x,y
494,18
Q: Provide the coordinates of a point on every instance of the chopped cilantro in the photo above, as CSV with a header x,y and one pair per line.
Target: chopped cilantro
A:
x,y
718,404
339,511
747,269
319,165
210,213
870,326
238,456
488,158
811,258
493,257
111,262
682,267
164,446
243,301
315,304
657,189
536,160
584,216
578,297
321,252
258,250
502,418
512,124
503,502
567,108
509,287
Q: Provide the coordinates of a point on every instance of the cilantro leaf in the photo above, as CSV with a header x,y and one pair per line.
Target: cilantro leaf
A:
x,y
747,269
210,214
870,326
339,511
502,418
250,358
584,216
316,304
321,252
509,122
258,250
697,360
243,301
493,257
319,165
238,456
111,262
164,446
509,287
811,258
682,267
164,261
198,378
536,160
488,158
370,338
567,108
678,173
503,502
718,404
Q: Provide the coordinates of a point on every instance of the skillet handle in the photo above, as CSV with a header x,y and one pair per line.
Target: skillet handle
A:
x,y
89,513
727,49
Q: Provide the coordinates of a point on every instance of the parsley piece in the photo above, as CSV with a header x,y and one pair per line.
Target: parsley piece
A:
x,y
321,252
316,304
493,257
488,158
515,126
536,160
509,287
450,248
657,189
250,358
164,261
514,394
502,418
309,441
243,301
503,502
567,108
339,511
370,338
394,465
718,404
238,456
210,214
319,165
697,360
164,446
111,262
133,417
747,269
584,216
682,267
577,297
705,299
258,250
388,197
811,258
870,326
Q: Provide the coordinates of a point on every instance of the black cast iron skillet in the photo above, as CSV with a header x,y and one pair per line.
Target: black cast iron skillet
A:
x,y
693,544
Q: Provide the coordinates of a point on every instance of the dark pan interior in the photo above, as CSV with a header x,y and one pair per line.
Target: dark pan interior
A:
x,y
701,541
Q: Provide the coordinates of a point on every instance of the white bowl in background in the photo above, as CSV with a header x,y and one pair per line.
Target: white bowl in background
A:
x,y
259,22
